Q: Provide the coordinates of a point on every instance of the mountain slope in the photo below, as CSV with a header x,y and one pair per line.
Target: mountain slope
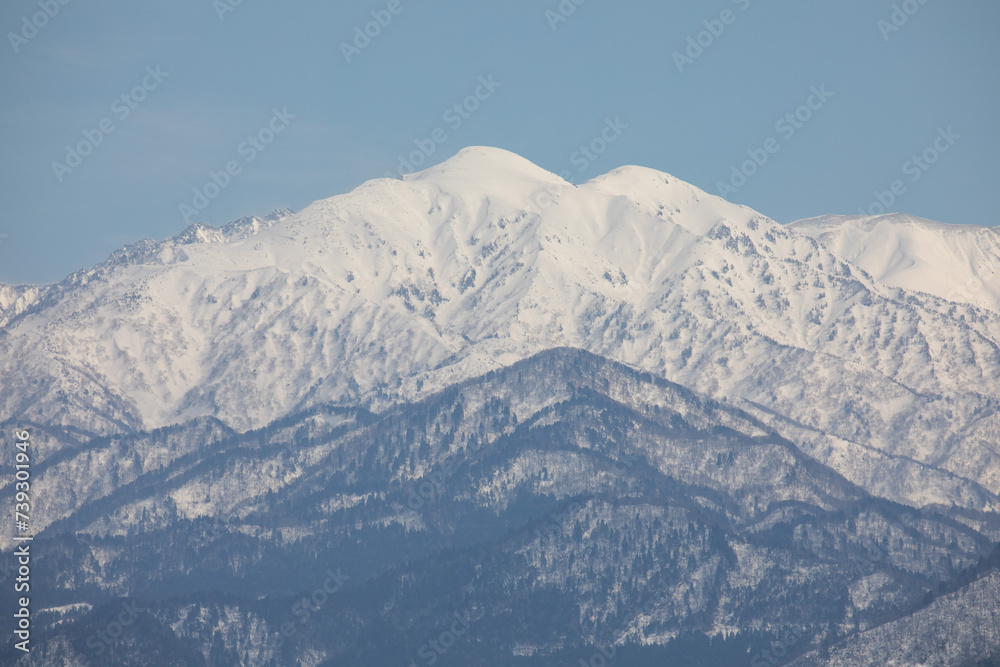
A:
x,y
401,288
957,629
955,262
564,504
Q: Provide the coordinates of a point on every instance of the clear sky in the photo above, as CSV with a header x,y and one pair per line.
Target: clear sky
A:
x,y
183,85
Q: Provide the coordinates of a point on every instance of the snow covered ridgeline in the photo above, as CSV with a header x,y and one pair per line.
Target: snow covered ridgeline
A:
x,y
400,288
955,262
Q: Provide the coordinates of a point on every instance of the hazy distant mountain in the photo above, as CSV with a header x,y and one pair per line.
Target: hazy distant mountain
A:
x,y
955,262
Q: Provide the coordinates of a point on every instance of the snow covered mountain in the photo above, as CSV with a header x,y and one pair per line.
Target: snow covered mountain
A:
x,y
567,504
961,627
955,262
401,288
622,416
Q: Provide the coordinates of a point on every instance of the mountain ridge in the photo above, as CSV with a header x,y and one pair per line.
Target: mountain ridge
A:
x,y
567,501
954,262
621,417
403,287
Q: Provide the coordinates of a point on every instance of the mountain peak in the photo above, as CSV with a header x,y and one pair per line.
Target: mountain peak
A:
x,y
487,164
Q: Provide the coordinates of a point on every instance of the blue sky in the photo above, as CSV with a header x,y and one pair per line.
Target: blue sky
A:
x,y
200,78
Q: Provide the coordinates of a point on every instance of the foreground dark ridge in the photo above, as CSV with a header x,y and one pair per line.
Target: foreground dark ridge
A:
x,y
559,507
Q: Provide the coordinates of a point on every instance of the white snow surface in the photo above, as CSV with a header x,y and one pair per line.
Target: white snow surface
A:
x,y
402,287
955,262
